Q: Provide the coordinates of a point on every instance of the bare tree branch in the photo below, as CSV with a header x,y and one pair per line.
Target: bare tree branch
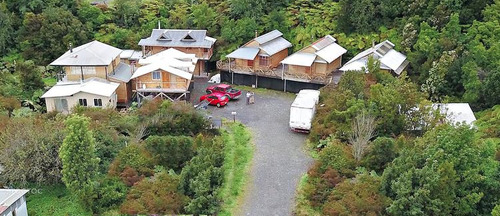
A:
x,y
363,129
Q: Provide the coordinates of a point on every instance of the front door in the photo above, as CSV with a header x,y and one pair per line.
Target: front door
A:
x,y
166,80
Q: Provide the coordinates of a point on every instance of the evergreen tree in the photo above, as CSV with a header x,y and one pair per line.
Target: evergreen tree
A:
x,y
78,157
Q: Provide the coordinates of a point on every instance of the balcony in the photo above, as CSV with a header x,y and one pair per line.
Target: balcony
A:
x,y
159,86
279,73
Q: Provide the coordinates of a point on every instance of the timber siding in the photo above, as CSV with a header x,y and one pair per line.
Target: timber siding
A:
x,y
101,71
167,81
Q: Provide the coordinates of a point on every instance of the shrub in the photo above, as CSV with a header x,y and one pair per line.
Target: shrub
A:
x,y
171,151
337,155
381,152
109,193
135,157
156,195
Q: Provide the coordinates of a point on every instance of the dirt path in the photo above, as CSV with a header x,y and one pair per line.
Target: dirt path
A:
x,y
279,159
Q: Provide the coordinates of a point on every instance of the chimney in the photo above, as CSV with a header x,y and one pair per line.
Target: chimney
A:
x,y
373,43
256,34
159,26
71,47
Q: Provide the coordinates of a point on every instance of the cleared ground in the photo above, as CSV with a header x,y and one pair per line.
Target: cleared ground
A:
x,y
279,159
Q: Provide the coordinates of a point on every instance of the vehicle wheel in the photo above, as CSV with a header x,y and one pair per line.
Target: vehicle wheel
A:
x,y
209,92
218,105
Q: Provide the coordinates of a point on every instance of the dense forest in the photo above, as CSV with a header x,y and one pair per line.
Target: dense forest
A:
x,y
375,153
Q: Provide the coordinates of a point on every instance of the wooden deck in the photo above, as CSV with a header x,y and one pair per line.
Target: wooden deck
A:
x,y
279,73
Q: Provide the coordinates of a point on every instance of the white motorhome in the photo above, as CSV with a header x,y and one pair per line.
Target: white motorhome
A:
x,y
302,110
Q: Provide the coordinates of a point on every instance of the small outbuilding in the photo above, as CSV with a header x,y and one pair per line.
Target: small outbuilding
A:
x,y
13,202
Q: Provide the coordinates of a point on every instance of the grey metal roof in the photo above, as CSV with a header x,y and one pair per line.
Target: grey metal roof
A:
x,y
323,42
268,36
331,52
94,85
94,53
131,54
9,197
273,46
247,53
300,58
390,59
122,73
178,38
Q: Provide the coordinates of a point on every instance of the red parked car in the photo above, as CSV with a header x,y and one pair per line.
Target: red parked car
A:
x,y
216,99
224,89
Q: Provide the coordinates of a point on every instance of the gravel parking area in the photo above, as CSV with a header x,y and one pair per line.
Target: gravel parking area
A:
x,y
279,159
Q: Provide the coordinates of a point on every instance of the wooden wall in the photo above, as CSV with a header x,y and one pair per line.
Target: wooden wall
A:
x,y
100,71
164,82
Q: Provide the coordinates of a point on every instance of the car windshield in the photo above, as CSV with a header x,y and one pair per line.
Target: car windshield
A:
x,y
223,97
228,90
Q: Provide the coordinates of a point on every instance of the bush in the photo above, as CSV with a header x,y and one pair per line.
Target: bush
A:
x,y
156,195
109,193
133,156
337,155
171,152
321,184
382,151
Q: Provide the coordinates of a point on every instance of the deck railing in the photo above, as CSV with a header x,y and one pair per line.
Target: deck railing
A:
x,y
160,85
275,72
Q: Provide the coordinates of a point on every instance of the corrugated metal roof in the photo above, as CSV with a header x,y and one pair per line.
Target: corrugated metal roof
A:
x,y
122,73
173,58
331,52
177,38
131,54
268,36
323,42
300,59
9,197
93,53
394,60
247,53
94,86
163,66
274,46
456,112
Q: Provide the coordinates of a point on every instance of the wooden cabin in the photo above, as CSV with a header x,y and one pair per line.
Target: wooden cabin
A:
x,y
264,52
390,59
96,60
167,74
318,59
185,40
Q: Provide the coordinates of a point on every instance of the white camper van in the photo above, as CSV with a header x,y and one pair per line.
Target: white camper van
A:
x,y
302,110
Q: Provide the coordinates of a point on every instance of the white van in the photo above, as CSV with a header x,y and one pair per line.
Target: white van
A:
x,y
302,110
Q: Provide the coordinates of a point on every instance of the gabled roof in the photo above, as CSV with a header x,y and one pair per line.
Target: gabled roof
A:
x,y
247,53
93,53
270,43
96,86
122,72
268,36
131,54
173,58
326,49
390,59
178,38
456,112
161,66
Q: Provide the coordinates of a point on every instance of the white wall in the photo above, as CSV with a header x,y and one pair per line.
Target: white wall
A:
x,y
19,207
107,102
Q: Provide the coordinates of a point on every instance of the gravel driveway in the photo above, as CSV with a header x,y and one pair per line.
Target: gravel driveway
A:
x,y
279,159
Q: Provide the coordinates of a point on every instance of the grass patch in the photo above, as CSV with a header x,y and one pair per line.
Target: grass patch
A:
x,y
302,206
238,154
54,200
49,81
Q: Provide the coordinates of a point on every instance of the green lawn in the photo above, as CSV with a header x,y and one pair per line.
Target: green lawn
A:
x,y
54,200
49,81
238,154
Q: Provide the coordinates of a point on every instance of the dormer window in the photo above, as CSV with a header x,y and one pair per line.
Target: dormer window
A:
x,y
188,38
164,37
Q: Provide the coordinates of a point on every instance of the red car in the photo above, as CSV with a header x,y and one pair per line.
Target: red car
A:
x,y
224,89
216,99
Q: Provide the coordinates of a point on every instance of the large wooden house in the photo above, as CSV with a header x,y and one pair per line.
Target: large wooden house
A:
x,y
318,59
167,74
96,60
262,53
390,59
188,41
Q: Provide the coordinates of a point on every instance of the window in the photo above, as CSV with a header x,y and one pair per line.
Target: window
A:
x,y
82,102
308,69
263,60
85,70
250,63
98,102
156,75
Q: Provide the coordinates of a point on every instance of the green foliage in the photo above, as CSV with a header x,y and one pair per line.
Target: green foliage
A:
x,y
359,196
109,193
171,152
382,151
488,123
29,151
156,195
337,156
133,156
448,171
54,200
30,76
78,157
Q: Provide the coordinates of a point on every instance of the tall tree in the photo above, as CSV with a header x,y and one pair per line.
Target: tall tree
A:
x,y
30,76
78,157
